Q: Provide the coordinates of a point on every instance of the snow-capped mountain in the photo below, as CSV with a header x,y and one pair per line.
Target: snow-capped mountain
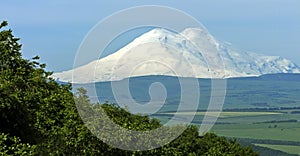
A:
x,y
191,53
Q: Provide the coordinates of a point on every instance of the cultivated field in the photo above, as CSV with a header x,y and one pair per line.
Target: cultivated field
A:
x,y
285,148
269,126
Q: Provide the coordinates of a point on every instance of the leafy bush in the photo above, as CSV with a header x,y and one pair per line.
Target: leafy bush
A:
x,y
12,146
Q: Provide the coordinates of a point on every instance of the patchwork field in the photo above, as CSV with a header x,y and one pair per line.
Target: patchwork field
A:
x,y
285,148
280,126
275,131
226,114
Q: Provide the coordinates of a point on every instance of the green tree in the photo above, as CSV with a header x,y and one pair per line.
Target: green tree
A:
x,y
13,146
38,116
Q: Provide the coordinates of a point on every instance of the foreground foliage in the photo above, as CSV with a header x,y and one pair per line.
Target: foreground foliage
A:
x,y
38,116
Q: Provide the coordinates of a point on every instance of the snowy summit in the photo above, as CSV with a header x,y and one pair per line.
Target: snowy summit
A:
x,y
190,53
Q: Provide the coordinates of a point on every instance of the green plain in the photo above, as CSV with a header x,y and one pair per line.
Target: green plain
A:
x,y
285,148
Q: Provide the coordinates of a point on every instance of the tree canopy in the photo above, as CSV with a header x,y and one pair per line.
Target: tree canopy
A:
x,y
38,116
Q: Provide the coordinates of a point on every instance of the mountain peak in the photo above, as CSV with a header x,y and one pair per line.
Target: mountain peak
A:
x,y
156,35
194,32
158,31
161,52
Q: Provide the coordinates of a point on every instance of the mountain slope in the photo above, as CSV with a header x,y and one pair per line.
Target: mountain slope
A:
x,y
185,54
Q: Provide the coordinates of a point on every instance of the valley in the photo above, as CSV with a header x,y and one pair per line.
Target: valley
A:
x,y
264,109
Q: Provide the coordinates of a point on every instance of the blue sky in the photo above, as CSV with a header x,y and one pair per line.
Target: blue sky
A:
x,y
55,29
